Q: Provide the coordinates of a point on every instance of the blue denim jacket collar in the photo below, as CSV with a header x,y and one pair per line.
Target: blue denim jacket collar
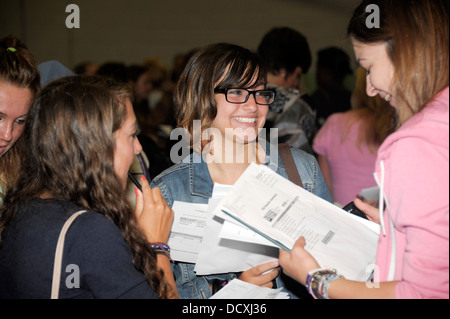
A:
x,y
199,177
200,180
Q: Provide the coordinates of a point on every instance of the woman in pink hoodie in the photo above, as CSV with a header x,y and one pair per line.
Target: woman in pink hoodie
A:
x,y
406,57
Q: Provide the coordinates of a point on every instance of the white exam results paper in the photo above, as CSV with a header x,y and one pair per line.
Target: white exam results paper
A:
x,y
187,231
238,289
218,255
280,210
194,238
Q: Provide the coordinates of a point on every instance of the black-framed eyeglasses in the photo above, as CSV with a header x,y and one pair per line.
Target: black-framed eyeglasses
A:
x,y
240,96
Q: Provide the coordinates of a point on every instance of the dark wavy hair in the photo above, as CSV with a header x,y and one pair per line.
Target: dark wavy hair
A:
x,y
71,154
17,67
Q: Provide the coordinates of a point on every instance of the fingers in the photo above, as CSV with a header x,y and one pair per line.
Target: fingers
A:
x,y
153,214
301,242
371,212
265,268
285,256
261,275
361,204
146,190
298,262
139,203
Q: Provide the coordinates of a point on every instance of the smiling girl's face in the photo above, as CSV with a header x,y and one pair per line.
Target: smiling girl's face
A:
x,y
375,60
244,120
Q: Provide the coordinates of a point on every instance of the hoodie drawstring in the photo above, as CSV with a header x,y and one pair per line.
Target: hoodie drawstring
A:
x,y
381,201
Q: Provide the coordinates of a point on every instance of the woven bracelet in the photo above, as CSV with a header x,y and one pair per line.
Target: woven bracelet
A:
x,y
161,249
318,282
161,246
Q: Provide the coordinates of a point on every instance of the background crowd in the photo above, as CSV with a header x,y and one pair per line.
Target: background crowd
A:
x,y
69,137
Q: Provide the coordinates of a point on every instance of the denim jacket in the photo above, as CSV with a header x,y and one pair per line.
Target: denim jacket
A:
x,y
189,181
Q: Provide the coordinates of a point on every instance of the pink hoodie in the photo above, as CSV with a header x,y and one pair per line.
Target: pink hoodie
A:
x,y
414,164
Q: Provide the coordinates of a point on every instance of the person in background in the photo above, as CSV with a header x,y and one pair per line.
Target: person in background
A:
x,y
113,70
81,142
287,54
19,83
138,77
347,143
333,66
86,68
412,167
52,70
150,136
224,87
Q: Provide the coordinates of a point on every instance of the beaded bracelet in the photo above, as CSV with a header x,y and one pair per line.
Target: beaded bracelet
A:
x,y
162,246
161,249
319,280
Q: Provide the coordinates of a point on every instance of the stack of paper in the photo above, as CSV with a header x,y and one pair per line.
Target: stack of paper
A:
x,y
238,289
244,225
195,239
282,212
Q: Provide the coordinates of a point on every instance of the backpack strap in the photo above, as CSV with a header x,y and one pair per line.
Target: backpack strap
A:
x,y
289,164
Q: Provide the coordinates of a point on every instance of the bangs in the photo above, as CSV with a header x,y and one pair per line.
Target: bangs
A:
x,y
243,74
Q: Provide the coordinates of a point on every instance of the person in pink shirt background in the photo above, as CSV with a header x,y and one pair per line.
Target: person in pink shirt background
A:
x,y
347,143
407,63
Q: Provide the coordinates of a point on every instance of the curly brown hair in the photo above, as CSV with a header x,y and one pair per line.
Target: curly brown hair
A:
x,y
71,129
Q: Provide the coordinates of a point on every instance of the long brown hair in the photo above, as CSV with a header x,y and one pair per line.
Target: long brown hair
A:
x,y
378,115
416,33
18,68
232,65
71,154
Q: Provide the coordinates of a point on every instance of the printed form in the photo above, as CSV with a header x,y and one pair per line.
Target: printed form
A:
x,y
194,238
187,231
281,212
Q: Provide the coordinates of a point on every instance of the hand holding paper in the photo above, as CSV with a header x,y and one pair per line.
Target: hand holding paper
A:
x,y
298,262
282,212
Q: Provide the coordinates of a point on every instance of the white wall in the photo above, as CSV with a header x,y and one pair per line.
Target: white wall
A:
x,y
131,30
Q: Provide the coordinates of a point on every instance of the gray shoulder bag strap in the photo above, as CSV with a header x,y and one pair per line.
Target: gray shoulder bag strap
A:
x,y
56,281
289,164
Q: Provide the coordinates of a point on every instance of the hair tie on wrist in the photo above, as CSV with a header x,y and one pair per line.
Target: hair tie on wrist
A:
x,y
11,49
